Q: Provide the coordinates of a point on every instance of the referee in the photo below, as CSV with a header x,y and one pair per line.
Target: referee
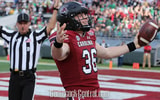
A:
x,y
24,46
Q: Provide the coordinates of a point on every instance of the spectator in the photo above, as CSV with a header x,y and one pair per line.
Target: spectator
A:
x,y
147,56
113,10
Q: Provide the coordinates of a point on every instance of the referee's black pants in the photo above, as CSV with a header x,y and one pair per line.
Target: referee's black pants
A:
x,y
21,85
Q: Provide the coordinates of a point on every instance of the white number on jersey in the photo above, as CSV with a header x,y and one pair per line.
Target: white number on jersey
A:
x,y
90,61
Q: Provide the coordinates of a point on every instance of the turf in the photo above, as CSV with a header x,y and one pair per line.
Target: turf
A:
x,y
49,64
44,64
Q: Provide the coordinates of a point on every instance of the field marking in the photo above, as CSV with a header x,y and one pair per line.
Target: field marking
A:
x,y
3,98
43,89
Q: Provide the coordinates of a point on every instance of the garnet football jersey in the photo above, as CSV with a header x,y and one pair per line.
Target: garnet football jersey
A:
x,y
78,70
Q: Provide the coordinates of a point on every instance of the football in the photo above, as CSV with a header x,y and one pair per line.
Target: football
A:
x,y
147,32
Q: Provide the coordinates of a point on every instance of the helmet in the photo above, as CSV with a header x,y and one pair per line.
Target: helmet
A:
x,y
68,11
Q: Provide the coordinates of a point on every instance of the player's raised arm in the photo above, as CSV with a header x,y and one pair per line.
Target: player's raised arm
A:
x,y
52,21
115,51
59,49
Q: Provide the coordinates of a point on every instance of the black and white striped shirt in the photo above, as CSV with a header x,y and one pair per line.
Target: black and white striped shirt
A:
x,y
24,50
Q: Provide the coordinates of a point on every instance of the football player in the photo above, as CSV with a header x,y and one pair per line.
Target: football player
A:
x,y
74,49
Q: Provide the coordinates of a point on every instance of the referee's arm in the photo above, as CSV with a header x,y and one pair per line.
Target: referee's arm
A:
x,y
52,22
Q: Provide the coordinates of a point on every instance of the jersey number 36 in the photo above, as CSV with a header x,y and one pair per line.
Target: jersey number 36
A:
x,y
90,61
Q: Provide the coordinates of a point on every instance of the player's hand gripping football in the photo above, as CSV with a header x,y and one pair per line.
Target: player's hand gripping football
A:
x,y
61,36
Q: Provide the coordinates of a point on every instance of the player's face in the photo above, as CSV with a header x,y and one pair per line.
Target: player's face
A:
x,y
83,18
23,27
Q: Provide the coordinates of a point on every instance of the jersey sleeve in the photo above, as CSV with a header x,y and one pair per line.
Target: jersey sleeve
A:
x,y
41,35
6,34
92,34
69,33
52,38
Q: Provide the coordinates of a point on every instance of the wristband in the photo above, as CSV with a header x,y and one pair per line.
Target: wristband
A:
x,y
55,8
131,46
57,45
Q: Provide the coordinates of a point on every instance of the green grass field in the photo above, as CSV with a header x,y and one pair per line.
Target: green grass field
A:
x,y
44,64
49,64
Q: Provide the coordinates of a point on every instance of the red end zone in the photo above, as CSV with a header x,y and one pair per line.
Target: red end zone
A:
x,y
114,84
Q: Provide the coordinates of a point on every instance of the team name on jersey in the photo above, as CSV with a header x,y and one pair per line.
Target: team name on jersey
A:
x,y
85,43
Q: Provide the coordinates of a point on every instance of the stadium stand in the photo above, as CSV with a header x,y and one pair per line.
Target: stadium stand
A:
x,y
115,21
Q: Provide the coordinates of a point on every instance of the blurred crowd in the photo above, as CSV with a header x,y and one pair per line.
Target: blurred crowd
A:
x,y
112,18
